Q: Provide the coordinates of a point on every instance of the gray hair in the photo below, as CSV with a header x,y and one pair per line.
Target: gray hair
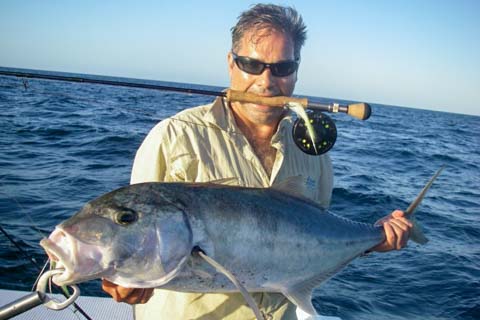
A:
x,y
265,16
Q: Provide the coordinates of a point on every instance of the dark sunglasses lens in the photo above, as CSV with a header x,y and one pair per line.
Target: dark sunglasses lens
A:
x,y
283,69
250,65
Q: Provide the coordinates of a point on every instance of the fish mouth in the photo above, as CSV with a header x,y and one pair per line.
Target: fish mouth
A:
x,y
62,261
80,261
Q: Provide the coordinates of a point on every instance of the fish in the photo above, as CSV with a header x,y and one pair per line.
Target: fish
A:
x,y
144,235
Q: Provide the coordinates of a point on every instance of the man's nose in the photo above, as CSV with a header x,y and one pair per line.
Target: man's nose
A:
x,y
266,77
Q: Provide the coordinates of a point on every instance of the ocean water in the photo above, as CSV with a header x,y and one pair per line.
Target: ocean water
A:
x,y
63,144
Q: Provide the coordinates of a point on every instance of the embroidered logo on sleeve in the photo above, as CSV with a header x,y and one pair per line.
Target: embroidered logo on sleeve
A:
x,y
310,183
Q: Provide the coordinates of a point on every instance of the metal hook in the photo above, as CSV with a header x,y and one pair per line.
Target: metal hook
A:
x,y
51,303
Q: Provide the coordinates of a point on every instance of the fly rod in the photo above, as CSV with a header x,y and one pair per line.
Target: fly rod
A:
x,y
360,111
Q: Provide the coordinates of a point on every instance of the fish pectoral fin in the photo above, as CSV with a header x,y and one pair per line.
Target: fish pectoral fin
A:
x,y
302,298
301,293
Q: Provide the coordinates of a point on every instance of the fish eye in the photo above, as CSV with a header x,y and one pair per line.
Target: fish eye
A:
x,y
126,217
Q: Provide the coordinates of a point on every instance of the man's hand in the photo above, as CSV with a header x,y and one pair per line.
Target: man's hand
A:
x,y
397,231
128,295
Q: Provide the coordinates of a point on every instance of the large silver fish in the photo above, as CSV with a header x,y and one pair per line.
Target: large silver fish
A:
x,y
143,235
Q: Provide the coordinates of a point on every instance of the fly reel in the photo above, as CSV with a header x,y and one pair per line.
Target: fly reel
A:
x,y
325,133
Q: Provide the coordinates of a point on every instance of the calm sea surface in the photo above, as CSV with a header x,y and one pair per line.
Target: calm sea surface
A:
x,y
63,144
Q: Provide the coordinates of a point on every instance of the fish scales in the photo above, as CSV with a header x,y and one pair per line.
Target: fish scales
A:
x,y
279,238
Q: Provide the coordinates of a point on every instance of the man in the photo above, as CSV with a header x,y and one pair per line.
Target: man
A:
x,y
249,142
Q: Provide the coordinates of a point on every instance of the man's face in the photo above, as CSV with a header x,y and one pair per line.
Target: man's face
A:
x,y
268,46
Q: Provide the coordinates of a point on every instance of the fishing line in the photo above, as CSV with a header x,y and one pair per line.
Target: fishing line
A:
x,y
246,295
40,274
24,212
10,238
27,256
35,263
20,248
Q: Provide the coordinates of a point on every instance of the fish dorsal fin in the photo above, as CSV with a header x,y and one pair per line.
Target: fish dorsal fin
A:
x,y
217,182
294,186
225,181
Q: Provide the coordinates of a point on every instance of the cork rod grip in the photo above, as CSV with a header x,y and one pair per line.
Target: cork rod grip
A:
x,y
233,95
360,111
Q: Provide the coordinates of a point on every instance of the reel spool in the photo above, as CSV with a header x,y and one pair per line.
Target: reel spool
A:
x,y
325,131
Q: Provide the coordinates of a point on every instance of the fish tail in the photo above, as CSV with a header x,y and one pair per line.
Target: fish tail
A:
x,y
416,233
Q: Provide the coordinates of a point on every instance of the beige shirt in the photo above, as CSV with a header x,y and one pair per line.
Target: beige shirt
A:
x,y
204,144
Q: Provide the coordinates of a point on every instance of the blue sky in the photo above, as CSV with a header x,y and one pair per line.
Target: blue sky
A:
x,y
422,54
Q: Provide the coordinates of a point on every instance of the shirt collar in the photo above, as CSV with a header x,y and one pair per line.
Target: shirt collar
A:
x,y
280,137
222,117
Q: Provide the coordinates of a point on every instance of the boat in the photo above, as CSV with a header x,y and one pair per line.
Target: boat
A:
x,y
97,308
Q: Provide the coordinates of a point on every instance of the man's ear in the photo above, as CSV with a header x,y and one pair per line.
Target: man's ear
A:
x,y
231,63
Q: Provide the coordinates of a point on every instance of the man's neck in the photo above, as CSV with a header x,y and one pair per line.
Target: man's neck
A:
x,y
259,136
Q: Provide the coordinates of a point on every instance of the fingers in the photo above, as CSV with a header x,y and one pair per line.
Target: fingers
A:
x,y
108,287
127,295
397,231
147,294
401,232
398,214
390,237
118,293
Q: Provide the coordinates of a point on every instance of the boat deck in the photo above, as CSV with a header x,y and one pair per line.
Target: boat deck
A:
x,y
96,307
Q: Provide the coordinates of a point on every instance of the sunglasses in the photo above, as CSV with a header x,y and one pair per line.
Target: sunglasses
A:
x,y
278,69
